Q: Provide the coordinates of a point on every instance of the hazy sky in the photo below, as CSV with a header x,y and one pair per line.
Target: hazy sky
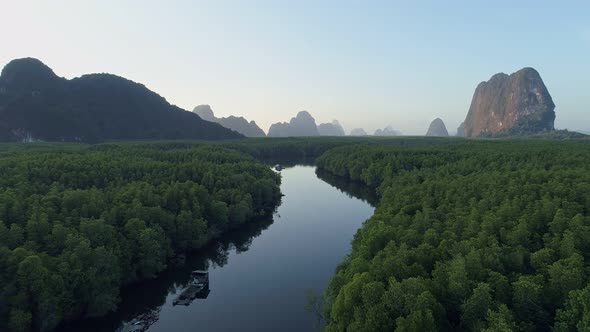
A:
x,y
365,63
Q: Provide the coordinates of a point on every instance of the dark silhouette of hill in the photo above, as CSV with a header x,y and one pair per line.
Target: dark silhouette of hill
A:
x,y
36,104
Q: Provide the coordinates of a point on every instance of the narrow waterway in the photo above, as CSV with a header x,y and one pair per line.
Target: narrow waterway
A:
x,y
259,276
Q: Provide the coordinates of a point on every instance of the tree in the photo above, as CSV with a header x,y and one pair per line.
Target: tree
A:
x,y
219,213
152,254
576,314
476,307
16,236
565,275
500,320
20,320
79,222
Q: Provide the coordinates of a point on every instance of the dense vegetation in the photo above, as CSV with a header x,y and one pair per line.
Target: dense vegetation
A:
x,y
36,104
523,132
78,222
478,235
468,234
310,148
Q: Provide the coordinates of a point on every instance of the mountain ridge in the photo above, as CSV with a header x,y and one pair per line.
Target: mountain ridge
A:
x,y
303,124
36,104
239,124
333,128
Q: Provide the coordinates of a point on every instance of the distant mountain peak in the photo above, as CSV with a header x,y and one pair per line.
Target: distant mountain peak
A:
x,y
516,103
36,104
387,131
27,68
331,129
303,124
205,112
437,128
358,132
27,75
304,114
239,124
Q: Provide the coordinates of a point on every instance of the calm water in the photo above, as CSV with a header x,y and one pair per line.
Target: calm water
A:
x,y
259,276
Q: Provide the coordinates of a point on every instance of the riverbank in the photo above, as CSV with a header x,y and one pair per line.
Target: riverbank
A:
x,y
259,277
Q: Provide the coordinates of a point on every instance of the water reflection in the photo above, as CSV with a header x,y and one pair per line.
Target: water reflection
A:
x,y
288,162
142,302
352,189
255,284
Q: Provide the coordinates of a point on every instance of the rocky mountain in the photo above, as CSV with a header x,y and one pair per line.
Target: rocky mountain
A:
x,y
358,132
36,104
461,130
437,128
510,104
239,124
387,131
331,129
301,125
205,112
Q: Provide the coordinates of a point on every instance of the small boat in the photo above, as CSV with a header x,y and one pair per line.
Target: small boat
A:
x,y
278,167
198,288
140,323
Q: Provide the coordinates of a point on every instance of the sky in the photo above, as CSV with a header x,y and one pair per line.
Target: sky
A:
x,y
367,63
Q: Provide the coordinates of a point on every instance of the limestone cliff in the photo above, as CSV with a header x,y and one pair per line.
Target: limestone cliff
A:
x,y
301,125
331,129
437,128
517,103
239,124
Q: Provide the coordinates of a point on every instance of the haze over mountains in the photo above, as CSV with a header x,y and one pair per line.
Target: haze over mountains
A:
x,y
303,124
387,131
437,128
461,130
36,104
516,104
239,124
358,132
331,129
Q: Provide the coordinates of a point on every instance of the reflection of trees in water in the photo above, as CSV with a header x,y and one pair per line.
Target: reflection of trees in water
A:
x,y
352,189
238,240
289,161
150,295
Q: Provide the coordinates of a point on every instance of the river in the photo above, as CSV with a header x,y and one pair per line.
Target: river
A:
x,y
260,275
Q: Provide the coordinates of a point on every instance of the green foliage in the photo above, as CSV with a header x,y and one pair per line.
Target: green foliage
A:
x,y
79,222
576,314
485,235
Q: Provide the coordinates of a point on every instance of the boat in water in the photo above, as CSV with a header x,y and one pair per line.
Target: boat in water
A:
x,y
141,323
198,288
278,167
